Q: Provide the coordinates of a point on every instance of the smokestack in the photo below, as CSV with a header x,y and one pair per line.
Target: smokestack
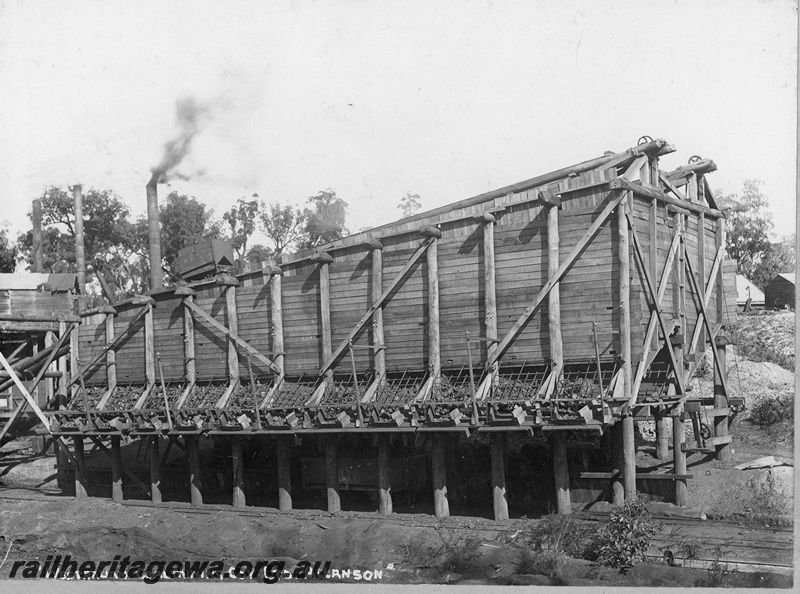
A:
x,y
154,234
80,255
37,265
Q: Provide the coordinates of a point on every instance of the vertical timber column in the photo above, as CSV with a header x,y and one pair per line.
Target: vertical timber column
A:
x,y
188,341
624,280
149,346
238,473
617,464
700,269
441,507
284,474
155,469
111,354
720,398
434,351
276,306
81,487
384,479
116,469
489,284
661,420
325,313
49,340
74,354
62,366
193,453
331,445
233,326
379,361
678,455
561,472
36,217
499,496
80,254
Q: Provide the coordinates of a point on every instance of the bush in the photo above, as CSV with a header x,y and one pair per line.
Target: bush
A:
x,y
771,411
563,535
538,563
457,555
627,535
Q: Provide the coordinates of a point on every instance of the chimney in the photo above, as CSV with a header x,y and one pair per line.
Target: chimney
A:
x,y
154,234
37,265
80,255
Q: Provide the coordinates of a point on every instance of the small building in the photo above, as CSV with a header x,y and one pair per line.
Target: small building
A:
x,y
779,293
746,289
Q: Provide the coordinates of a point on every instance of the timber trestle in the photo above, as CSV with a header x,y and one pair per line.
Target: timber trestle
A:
x,y
567,307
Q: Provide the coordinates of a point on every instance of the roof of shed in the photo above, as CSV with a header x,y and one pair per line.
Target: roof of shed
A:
x,y
31,281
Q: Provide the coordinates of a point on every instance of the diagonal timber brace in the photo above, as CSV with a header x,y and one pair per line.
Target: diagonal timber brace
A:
x,y
25,392
239,342
564,268
380,301
651,293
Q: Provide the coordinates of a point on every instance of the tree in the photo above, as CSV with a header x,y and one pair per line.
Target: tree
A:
x,y
778,257
284,225
184,222
242,221
259,253
409,204
324,222
748,227
8,253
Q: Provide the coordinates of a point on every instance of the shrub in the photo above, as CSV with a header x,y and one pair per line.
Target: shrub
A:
x,y
538,563
458,555
626,537
771,411
717,574
564,536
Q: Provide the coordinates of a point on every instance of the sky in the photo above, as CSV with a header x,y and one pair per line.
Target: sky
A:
x,y
377,98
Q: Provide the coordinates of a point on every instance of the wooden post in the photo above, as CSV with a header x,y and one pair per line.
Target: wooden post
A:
x,y
489,285
662,439
238,473
384,481
81,485
679,456
561,472
379,358
111,354
277,325
554,298
149,346
116,469
701,281
721,399
188,342
284,474
441,507
233,326
193,453
720,298
50,340
36,217
80,254
434,351
325,316
499,496
155,469
74,355
617,464
624,280
331,443
61,365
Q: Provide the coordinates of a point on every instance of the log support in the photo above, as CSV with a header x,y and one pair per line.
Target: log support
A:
x,y
276,311
193,454
617,464
155,469
434,355
237,462
441,507
116,470
149,346
679,456
624,284
384,480
331,445
561,472
554,297
284,474
489,286
325,316
233,326
499,496
379,358
81,485
188,342
723,451
662,439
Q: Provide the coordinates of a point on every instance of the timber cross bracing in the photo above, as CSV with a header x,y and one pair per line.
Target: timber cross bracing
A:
x,y
331,348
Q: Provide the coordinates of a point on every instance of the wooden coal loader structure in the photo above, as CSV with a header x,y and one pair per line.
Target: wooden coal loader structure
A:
x,y
573,303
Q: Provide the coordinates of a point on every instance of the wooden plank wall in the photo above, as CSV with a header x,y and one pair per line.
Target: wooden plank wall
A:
x,y
211,345
91,339
130,351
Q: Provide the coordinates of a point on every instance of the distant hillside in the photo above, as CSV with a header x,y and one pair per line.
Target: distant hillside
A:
x,y
766,336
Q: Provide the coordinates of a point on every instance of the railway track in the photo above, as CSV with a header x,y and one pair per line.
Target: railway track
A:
x,y
743,547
